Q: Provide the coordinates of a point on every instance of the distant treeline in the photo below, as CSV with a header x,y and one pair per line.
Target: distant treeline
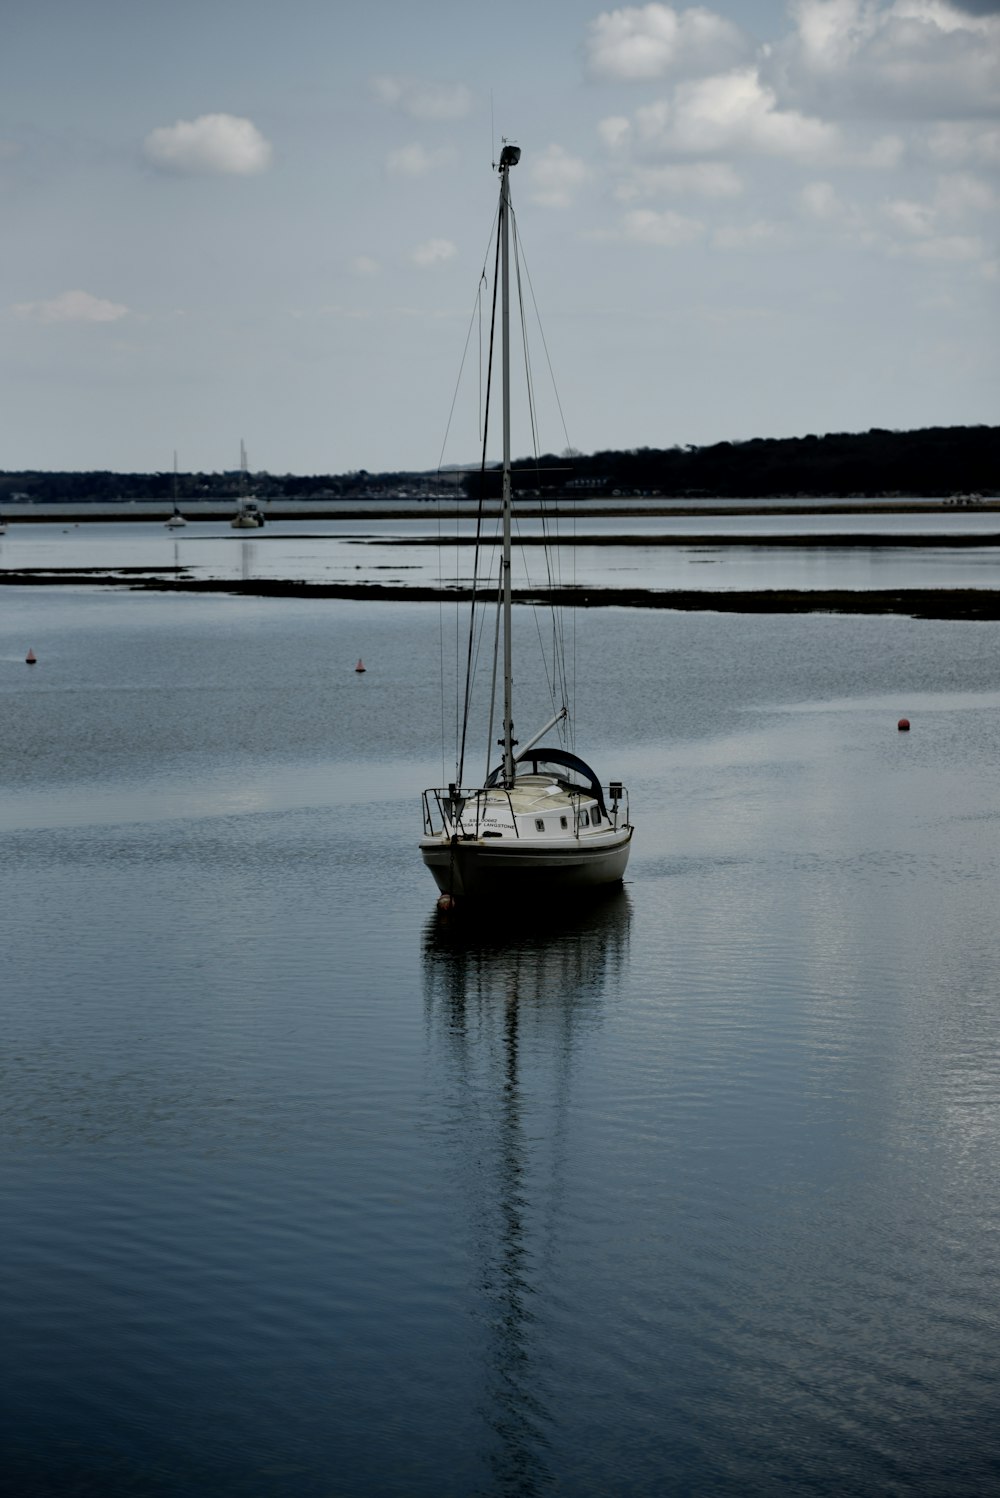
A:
x,y
931,461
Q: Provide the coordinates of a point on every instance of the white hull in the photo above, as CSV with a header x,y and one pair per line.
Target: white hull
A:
x,y
468,868
246,523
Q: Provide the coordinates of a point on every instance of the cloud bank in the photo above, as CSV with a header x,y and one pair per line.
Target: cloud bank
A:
x,y
856,88
916,59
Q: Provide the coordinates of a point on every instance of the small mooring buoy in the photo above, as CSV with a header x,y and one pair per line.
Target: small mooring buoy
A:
x,y
30,658
903,725
361,666
447,902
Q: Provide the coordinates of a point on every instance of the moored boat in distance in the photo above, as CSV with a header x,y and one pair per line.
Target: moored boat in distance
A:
x,y
248,515
176,520
542,825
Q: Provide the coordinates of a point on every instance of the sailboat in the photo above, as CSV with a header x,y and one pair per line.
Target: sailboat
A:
x,y
542,825
176,519
248,516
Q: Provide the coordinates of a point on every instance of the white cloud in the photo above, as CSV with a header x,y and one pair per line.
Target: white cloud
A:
x,y
615,131
668,230
758,235
957,199
916,219
958,143
883,154
831,32
433,252
555,176
416,161
908,227
214,143
421,100
911,58
954,247
732,113
364,265
820,201
640,43
72,306
702,179
961,194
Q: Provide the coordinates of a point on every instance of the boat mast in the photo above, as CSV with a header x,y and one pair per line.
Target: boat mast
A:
x,y
509,156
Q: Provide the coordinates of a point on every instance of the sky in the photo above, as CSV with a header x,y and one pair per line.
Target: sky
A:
x,y
226,220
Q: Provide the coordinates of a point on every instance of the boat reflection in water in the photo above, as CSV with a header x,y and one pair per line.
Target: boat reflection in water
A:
x,y
508,1008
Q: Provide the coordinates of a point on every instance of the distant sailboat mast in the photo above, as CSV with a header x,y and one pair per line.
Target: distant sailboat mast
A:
x,y
175,520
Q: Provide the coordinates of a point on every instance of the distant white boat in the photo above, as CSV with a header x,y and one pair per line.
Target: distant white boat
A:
x,y
176,519
248,516
541,826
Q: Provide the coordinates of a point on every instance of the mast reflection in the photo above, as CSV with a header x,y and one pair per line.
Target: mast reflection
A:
x,y
506,1009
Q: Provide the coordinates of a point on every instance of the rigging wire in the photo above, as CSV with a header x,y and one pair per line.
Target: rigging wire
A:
x,y
476,307
460,768
557,678
570,682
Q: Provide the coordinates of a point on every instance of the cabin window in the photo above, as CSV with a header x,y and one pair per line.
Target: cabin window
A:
x,y
539,824
585,819
563,822
595,816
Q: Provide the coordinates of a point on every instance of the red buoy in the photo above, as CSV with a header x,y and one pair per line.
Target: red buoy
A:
x,y
360,666
903,725
30,658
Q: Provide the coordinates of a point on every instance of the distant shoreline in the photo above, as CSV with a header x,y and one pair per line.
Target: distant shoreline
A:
x,y
918,603
144,512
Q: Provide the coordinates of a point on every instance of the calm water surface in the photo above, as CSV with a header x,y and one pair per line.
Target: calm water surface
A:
x,y
339,551
309,1192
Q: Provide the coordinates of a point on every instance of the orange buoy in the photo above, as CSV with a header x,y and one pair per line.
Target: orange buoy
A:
x,y
903,725
30,658
361,666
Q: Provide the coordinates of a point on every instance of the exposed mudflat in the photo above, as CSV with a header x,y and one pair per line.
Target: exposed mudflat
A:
x,y
919,603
